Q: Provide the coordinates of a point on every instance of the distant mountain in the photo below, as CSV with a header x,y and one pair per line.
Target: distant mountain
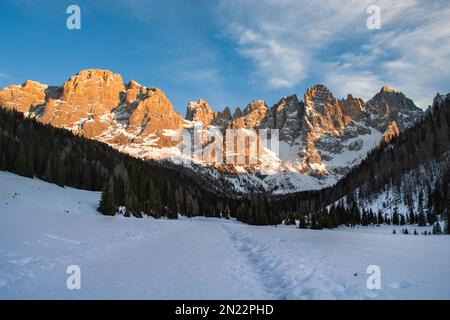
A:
x,y
321,137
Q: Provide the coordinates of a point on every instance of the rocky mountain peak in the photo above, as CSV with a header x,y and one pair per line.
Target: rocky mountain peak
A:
x,y
134,92
252,116
154,113
286,116
133,85
353,108
200,111
222,119
255,105
93,86
88,95
440,98
94,78
226,113
324,112
237,113
389,105
23,97
317,95
387,89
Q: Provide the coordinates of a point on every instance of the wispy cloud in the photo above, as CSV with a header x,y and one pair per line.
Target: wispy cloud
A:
x,y
279,63
294,41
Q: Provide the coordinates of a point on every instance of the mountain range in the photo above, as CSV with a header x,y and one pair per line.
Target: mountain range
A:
x,y
321,137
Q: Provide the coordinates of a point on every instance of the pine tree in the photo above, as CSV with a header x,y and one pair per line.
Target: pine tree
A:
x,y
420,202
430,216
21,161
380,217
412,216
107,203
395,217
421,219
364,218
314,222
448,221
30,163
60,174
302,223
437,228
3,162
402,220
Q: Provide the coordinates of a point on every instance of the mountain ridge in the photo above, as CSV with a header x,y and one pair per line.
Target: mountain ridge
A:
x,y
321,137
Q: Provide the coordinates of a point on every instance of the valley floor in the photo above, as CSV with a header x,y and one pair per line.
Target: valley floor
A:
x,y
45,228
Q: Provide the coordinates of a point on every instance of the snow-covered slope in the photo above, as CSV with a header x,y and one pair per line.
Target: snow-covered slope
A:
x,y
45,228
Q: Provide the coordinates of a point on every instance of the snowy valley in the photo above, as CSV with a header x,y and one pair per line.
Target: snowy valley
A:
x,y
45,228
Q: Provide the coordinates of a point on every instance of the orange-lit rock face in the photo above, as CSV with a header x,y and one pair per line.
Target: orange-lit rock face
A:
x,y
200,112
324,111
23,97
252,117
85,104
154,113
222,119
352,109
85,98
391,132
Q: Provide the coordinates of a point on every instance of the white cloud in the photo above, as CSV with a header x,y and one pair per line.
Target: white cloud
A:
x,y
280,64
294,41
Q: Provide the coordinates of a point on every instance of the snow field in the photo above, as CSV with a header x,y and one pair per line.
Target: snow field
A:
x,y
45,228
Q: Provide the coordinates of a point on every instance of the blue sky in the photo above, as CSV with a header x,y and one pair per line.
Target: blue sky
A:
x,y
231,52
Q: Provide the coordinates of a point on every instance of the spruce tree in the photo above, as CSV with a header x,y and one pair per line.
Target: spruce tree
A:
x,y
402,220
3,162
437,228
302,223
30,163
430,216
412,216
107,204
421,219
395,217
448,222
313,222
21,161
364,218
380,217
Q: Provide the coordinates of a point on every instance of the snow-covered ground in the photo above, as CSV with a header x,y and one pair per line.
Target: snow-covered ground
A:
x,y
45,228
